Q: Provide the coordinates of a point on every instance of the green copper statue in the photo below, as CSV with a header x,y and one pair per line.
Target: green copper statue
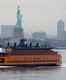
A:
x,y
19,21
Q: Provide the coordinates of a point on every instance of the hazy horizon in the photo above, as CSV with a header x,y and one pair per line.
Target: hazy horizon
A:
x,y
38,15
43,15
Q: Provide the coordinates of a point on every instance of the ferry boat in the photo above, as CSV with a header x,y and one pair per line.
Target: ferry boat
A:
x,y
29,56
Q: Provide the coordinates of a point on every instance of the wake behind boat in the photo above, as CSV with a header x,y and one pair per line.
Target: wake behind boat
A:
x,y
4,67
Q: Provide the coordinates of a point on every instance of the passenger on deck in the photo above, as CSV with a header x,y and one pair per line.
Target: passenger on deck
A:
x,y
37,45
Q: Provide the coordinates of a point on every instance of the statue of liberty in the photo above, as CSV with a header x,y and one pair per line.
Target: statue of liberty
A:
x,y
18,28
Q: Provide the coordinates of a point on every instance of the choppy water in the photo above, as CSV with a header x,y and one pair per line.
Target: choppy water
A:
x,y
36,73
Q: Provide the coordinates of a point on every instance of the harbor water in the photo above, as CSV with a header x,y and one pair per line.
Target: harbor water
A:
x,y
36,73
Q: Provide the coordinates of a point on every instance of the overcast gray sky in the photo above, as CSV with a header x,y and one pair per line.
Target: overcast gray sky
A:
x,y
7,11
38,15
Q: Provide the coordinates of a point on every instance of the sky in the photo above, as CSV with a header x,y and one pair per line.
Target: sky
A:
x,y
7,11
38,15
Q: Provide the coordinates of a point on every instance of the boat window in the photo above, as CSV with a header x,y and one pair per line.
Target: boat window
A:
x,y
2,60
